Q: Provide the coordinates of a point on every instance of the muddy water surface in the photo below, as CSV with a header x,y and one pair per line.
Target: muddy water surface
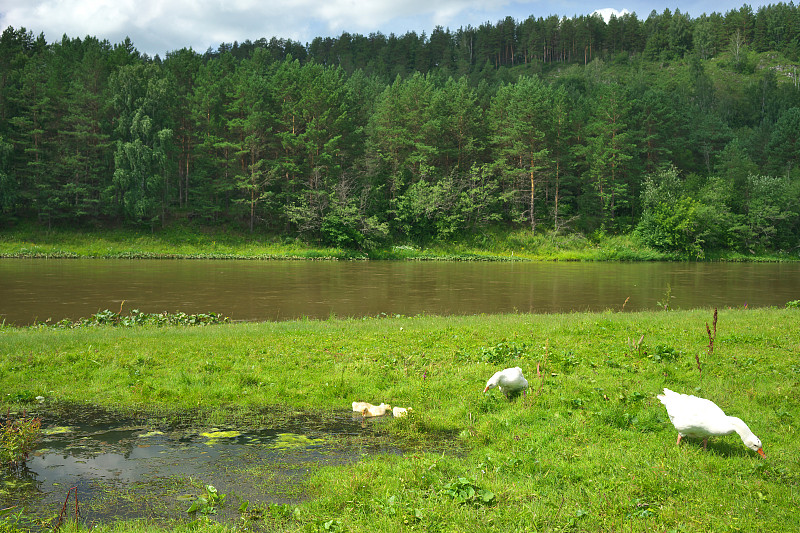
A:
x,y
40,289
127,469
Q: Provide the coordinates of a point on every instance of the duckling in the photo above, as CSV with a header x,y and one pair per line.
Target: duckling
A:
x,y
376,410
397,412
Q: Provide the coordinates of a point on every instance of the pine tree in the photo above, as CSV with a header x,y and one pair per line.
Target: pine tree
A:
x,y
609,150
32,135
784,144
519,121
85,146
212,175
183,66
248,126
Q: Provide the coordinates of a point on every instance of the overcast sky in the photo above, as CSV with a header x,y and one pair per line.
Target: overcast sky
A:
x,y
160,26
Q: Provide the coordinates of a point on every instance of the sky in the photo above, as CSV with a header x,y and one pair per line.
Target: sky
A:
x,y
156,27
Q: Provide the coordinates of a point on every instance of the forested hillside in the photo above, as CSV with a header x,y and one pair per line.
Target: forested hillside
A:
x,y
683,130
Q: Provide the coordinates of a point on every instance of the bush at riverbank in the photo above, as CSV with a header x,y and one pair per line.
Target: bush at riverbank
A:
x,y
214,243
588,449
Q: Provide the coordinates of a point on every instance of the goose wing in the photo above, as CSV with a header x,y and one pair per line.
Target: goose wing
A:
x,y
693,416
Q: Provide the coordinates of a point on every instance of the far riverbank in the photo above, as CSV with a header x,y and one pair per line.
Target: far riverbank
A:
x,y
181,242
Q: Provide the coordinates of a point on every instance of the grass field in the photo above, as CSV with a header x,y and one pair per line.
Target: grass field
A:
x,y
589,448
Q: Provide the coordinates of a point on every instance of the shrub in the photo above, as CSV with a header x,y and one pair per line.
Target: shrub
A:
x,y
17,439
672,227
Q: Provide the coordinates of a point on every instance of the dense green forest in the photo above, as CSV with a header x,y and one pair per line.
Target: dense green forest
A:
x,y
683,130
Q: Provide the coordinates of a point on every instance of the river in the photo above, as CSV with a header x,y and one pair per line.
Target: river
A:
x,y
41,289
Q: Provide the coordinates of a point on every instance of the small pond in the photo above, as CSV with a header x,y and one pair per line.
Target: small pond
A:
x,y
134,468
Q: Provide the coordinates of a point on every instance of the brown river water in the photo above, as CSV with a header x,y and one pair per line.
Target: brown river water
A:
x,y
41,289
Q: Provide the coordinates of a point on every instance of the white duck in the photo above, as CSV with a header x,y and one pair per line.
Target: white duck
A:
x,y
510,382
374,410
701,418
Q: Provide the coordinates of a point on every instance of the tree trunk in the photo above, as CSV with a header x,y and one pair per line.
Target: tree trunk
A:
x,y
533,195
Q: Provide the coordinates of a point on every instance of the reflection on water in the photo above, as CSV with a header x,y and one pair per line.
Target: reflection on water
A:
x,y
38,289
126,470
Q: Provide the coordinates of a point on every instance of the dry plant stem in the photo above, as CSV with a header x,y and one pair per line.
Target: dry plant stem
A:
x,y
64,509
711,337
540,372
715,323
710,340
119,315
697,358
560,507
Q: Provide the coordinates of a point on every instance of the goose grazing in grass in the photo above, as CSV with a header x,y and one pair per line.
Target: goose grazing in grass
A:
x,y
510,381
701,418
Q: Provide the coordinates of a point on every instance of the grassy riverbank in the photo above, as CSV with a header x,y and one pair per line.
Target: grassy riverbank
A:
x,y
589,449
193,242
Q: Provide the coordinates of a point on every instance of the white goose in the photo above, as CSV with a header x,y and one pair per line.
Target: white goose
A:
x,y
510,382
701,418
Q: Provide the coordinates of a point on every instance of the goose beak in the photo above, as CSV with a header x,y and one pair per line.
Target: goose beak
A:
x,y
487,388
761,453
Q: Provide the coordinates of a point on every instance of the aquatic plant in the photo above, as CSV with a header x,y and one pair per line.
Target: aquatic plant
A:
x,y
7,520
208,502
139,318
17,439
664,302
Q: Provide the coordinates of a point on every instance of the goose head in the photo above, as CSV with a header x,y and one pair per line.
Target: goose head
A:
x,y
748,437
492,383
753,442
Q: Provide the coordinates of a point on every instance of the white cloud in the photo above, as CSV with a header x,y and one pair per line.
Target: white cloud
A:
x,y
158,26
606,13
365,17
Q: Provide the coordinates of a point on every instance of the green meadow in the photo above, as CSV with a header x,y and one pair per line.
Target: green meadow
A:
x,y
589,448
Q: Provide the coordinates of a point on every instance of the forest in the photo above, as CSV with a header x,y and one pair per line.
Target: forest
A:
x,y
683,131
